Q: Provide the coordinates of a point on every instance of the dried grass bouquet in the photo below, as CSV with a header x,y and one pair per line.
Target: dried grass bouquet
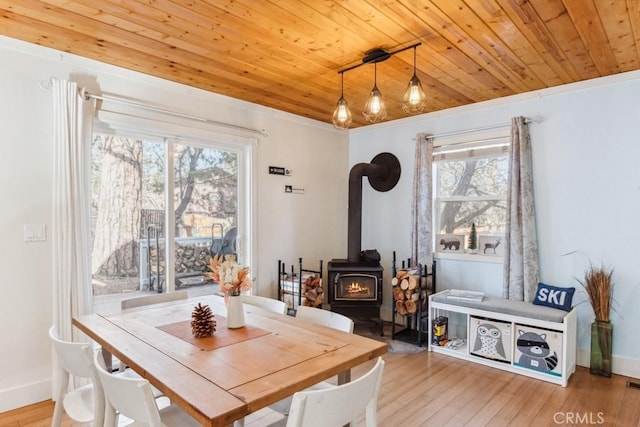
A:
x,y
598,284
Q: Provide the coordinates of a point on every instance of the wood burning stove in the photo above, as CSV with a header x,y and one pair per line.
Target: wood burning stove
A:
x,y
355,289
355,283
358,283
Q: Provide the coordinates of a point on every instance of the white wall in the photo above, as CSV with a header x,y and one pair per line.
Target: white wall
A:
x,y
587,189
289,226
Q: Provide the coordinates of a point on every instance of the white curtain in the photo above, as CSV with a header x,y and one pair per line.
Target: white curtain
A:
x,y
70,228
422,208
521,246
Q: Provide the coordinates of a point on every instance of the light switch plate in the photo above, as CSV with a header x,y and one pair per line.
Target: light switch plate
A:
x,y
35,233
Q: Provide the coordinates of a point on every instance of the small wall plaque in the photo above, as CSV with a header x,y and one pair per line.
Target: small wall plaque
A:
x,y
276,170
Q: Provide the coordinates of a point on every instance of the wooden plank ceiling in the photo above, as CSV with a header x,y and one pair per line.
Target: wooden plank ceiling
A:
x,y
286,54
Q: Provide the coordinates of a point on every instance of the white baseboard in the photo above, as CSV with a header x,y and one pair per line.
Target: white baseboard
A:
x,y
619,365
24,395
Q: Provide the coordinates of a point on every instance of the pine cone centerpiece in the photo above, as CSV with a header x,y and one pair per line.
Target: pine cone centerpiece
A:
x,y
203,323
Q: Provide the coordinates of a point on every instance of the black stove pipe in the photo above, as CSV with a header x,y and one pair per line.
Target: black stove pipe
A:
x,y
354,231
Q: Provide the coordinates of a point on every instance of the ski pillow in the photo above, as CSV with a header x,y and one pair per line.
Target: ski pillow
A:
x,y
553,296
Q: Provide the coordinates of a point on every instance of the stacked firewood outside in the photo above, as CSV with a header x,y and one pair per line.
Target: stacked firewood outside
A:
x,y
189,258
312,291
406,291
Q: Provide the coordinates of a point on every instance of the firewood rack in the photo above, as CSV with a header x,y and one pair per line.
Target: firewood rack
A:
x,y
415,325
290,284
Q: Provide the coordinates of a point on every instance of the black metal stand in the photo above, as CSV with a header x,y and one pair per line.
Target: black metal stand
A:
x,y
291,284
415,326
158,278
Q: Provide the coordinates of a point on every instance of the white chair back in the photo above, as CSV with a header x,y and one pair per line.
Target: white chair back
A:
x,y
84,404
339,405
131,397
326,318
153,299
270,304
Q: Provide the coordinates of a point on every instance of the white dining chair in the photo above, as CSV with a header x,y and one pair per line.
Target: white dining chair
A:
x,y
325,317
141,301
153,299
339,405
270,304
319,317
133,398
84,404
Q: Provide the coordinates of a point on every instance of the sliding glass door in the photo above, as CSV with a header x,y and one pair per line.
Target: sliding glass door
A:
x,y
160,208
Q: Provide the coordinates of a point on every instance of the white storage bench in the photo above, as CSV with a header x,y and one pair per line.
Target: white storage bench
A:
x,y
516,336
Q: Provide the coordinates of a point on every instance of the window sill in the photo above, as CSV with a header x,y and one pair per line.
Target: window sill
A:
x,y
469,257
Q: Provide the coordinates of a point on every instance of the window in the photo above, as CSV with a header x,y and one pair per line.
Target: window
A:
x,y
132,176
470,185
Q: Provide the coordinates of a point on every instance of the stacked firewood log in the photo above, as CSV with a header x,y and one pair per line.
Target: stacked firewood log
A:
x,y
406,291
312,291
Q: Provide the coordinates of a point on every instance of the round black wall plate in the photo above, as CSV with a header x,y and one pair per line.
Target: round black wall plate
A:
x,y
385,181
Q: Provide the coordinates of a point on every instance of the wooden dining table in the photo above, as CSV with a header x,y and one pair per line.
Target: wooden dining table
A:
x,y
235,372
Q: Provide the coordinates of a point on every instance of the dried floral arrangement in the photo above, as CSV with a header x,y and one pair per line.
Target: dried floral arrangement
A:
x,y
598,284
232,278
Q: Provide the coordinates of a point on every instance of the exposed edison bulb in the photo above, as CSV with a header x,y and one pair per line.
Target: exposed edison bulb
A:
x,y
414,100
342,115
375,105
414,95
374,109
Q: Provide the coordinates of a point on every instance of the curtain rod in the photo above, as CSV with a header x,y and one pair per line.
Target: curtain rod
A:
x,y
87,95
536,119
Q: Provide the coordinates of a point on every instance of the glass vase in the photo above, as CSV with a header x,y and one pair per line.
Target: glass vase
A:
x,y
601,343
235,312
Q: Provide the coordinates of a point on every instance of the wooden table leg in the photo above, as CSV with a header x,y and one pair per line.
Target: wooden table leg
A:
x,y
108,360
344,377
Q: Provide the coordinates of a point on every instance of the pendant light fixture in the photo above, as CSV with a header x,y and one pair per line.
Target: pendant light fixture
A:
x,y
414,99
374,109
342,115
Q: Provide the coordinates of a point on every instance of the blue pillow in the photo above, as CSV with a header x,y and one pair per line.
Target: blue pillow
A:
x,y
553,296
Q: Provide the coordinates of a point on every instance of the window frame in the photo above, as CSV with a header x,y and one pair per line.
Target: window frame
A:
x,y
470,145
179,131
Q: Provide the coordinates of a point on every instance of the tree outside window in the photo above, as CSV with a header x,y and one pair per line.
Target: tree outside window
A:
x,y
471,190
128,206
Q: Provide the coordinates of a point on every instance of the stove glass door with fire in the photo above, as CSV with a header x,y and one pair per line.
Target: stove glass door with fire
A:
x,y
360,287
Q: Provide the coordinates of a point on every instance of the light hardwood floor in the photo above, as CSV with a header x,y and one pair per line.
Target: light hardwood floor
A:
x,y
428,389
